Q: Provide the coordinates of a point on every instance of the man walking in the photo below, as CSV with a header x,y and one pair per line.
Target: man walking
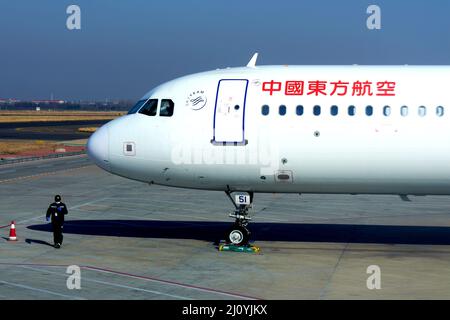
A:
x,y
57,210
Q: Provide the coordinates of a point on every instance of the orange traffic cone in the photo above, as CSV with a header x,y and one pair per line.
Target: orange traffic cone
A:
x,y
12,232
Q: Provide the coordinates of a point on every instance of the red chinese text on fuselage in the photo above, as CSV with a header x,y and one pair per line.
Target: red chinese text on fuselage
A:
x,y
330,88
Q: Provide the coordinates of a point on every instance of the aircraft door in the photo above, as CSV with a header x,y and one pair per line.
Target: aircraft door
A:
x,y
229,112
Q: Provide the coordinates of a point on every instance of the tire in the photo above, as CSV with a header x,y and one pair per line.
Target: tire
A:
x,y
238,235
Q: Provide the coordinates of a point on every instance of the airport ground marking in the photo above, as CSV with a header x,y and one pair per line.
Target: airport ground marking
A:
x,y
46,165
327,285
40,216
174,283
141,277
40,290
113,284
8,171
39,175
44,160
87,203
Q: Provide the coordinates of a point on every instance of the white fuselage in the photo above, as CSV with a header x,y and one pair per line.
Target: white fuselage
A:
x,y
219,139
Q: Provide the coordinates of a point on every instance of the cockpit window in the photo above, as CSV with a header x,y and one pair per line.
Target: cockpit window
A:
x,y
137,106
167,107
149,109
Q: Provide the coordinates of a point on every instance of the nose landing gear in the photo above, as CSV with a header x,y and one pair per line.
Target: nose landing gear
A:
x,y
238,234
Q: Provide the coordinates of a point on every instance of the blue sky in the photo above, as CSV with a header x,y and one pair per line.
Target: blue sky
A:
x,y
127,47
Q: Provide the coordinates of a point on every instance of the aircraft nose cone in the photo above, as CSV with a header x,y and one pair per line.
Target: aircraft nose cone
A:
x,y
98,148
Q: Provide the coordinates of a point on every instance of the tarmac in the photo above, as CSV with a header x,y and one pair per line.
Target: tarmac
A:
x,y
136,241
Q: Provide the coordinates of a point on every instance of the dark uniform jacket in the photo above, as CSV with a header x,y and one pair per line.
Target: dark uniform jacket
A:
x,y
57,212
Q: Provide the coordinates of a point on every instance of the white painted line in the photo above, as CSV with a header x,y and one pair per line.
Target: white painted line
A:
x,y
141,277
31,219
259,217
33,163
87,203
43,174
100,205
8,171
113,214
42,216
138,289
171,201
157,207
184,215
168,213
45,165
170,283
145,209
83,278
84,210
40,290
76,161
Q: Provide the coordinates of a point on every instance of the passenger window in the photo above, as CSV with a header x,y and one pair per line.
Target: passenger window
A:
x,y
149,109
387,111
369,111
282,110
167,107
265,110
422,111
316,110
351,110
440,111
299,110
334,110
137,106
404,111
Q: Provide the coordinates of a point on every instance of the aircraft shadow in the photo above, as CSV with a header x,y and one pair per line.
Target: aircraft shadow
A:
x,y
295,232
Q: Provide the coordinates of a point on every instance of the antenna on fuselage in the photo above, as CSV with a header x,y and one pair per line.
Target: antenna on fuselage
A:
x,y
252,62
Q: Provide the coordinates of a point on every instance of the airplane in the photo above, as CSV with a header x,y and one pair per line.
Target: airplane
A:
x,y
287,129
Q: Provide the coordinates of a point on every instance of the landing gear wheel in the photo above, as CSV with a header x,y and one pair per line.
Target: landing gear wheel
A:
x,y
238,235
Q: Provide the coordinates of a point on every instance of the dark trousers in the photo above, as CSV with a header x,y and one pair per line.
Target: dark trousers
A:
x,y
57,233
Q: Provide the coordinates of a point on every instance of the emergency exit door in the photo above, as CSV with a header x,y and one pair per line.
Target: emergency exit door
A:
x,y
229,112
